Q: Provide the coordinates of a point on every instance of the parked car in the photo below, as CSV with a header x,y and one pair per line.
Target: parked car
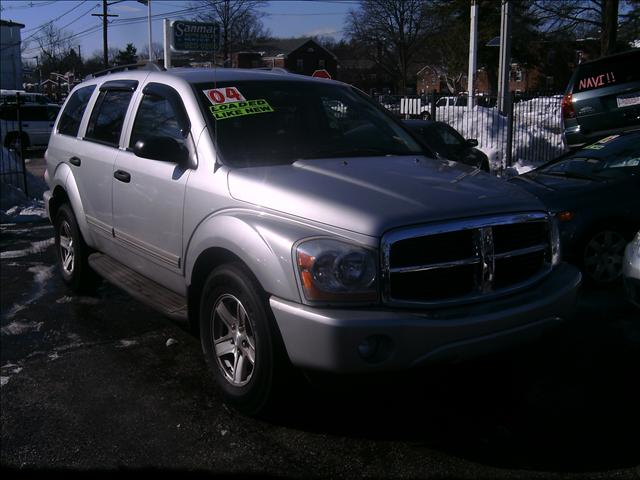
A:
x,y
290,235
448,143
595,194
37,123
602,98
10,96
631,270
458,101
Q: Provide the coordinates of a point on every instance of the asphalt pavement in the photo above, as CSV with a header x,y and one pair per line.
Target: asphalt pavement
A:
x,y
103,383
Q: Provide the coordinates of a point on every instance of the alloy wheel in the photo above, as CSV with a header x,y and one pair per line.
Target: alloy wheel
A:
x,y
67,249
233,340
603,256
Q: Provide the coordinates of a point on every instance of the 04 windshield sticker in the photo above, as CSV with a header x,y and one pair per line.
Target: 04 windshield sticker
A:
x,y
228,102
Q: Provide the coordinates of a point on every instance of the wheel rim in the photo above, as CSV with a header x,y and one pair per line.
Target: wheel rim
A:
x,y
67,251
233,340
603,256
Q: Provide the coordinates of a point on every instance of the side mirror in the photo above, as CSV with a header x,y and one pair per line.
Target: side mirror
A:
x,y
165,149
472,142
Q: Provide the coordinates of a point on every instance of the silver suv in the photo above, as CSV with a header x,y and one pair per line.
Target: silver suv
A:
x,y
294,222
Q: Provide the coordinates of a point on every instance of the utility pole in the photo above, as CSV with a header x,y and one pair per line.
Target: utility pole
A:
x,y
473,51
39,74
79,53
505,57
104,16
148,4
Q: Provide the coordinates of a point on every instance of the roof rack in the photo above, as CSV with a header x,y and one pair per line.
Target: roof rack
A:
x,y
123,68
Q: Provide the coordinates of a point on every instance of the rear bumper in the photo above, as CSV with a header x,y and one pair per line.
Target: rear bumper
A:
x,y
336,339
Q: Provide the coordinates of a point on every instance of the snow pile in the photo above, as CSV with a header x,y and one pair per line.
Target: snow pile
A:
x,y
15,206
537,131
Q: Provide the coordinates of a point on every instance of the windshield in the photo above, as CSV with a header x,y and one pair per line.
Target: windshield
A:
x,y
611,156
279,122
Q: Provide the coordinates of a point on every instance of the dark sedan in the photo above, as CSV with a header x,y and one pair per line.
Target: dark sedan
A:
x,y
446,141
594,193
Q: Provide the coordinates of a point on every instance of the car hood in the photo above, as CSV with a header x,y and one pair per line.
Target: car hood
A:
x,y
370,195
558,192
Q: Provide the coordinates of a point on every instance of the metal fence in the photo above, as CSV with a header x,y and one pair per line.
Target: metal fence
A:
x,y
13,172
529,132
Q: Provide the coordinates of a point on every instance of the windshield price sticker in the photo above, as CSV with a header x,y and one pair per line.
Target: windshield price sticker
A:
x,y
223,111
219,96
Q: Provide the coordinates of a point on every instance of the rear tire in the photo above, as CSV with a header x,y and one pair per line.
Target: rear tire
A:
x,y
240,341
72,252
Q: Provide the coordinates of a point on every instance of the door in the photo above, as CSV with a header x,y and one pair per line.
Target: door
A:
x,y
148,194
93,162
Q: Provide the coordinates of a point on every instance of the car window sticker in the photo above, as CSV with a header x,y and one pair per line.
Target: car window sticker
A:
x,y
228,102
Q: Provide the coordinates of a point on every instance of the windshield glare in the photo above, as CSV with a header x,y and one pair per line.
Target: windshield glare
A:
x,y
279,122
610,156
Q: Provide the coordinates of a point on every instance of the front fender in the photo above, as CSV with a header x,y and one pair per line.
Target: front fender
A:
x,y
263,243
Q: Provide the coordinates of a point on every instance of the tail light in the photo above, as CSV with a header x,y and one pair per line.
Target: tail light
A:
x,y
567,106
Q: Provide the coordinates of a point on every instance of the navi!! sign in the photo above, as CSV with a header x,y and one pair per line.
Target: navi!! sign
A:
x,y
195,36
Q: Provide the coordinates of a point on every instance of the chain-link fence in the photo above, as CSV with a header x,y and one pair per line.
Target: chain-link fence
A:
x,y
529,132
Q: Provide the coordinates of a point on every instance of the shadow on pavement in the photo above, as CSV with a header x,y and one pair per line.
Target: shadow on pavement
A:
x,y
567,403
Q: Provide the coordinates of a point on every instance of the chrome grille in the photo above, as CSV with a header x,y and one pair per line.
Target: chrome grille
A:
x,y
465,261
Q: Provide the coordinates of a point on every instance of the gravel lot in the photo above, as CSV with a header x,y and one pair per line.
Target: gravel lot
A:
x,y
90,383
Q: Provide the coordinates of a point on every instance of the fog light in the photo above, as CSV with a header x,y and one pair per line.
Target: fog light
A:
x,y
369,347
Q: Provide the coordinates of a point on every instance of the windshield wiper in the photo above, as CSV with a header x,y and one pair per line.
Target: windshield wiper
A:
x,y
581,176
348,152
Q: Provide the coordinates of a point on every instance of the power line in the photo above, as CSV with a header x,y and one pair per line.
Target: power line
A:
x,y
29,5
118,23
43,26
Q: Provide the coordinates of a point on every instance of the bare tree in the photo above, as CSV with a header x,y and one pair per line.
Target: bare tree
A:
x,y
156,48
53,43
239,20
589,17
392,31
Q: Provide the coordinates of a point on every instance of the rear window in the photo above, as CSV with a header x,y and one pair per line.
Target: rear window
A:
x,y
74,110
607,71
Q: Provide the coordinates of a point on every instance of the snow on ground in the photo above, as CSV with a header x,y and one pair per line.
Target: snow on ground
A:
x,y
15,206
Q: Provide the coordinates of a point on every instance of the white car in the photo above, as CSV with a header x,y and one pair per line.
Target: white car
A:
x,y
37,123
631,270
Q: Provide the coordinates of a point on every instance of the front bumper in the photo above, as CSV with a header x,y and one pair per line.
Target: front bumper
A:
x,y
334,339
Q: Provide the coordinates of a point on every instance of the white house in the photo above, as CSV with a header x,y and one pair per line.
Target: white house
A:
x,y
10,61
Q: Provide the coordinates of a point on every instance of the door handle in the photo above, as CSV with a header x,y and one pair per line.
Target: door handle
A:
x,y
122,176
25,125
75,161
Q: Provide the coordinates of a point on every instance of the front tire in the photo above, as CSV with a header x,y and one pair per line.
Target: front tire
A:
x,y
72,252
239,339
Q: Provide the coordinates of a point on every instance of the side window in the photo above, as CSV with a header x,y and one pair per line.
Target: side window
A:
x,y
108,115
155,117
74,110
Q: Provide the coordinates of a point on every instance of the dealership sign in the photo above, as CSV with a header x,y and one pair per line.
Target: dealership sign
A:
x,y
195,36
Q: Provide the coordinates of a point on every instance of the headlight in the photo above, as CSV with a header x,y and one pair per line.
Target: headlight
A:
x,y
334,271
555,242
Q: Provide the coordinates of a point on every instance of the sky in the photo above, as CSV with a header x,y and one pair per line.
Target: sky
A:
x,y
284,18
